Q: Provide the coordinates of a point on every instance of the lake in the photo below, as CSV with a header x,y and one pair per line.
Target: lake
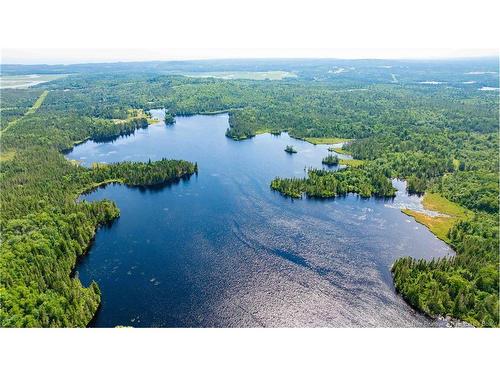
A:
x,y
223,250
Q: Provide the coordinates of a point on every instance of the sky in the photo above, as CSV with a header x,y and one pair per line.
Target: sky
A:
x,y
58,31
72,55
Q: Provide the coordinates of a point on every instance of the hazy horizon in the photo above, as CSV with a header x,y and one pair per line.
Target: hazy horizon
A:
x,y
61,56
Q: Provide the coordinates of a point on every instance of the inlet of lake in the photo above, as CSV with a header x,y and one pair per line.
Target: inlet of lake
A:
x,y
223,250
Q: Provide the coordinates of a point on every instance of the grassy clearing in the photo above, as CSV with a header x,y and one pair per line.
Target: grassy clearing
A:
x,y
136,114
325,141
339,150
7,156
439,225
435,202
351,162
38,103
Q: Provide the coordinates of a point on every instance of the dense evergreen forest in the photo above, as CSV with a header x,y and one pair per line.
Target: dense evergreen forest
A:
x,y
442,138
331,160
43,228
325,184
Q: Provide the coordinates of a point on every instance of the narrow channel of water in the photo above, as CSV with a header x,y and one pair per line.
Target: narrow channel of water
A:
x,y
223,250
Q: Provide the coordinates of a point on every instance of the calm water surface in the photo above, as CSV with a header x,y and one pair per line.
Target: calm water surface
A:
x,y
223,250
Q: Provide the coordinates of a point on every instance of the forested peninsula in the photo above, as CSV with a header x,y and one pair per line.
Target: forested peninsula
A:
x,y
325,184
443,139
44,229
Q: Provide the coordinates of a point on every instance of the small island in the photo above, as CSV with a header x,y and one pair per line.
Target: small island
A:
x,y
169,118
331,160
289,149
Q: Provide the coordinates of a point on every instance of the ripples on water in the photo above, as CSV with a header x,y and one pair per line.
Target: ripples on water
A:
x,y
223,250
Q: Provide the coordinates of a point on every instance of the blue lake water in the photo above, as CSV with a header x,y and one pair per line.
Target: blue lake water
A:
x,y
223,250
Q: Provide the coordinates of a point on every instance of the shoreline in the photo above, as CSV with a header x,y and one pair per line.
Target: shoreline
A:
x,y
448,321
448,213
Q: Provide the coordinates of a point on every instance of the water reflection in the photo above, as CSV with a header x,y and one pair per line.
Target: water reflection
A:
x,y
223,250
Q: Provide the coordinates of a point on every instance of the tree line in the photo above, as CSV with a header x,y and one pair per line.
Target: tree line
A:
x,y
43,228
441,139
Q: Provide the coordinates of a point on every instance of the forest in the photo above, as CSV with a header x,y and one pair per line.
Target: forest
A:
x,y
330,160
440,138
321,183
44,230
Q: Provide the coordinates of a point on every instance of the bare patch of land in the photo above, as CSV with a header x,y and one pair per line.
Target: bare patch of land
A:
x,y
24,81
259,76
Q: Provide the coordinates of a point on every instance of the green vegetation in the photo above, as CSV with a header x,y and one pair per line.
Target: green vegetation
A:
x,y
325,141
443,139
15,103
476,189
6,156
324,184
339,150
38,103
351,162
289,149
416,185
30,111
440,225
43,228
465,286
143,174
314,111
331,160
435,202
